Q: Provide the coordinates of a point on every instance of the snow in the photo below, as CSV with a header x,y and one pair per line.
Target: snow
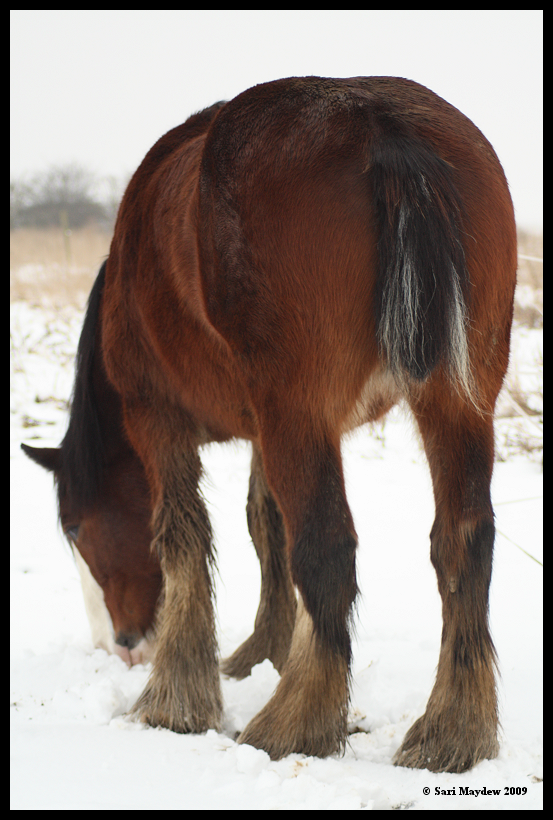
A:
x,y
72,746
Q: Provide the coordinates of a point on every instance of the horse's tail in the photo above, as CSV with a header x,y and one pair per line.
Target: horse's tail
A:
x,y
422,284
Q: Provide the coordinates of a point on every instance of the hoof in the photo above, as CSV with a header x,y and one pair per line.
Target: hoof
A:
x,y
282,732
427,746
179,714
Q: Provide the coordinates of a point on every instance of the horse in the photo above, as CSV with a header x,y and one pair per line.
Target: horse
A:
x,y
286,267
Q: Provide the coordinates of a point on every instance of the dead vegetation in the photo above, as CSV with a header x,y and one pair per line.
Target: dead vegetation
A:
x,y
55,267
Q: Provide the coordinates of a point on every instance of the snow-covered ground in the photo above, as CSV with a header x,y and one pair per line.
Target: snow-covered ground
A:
x,y
72,746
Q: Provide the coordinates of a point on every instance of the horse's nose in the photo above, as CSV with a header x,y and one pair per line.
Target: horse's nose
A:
x,y
124,644
133,648
128,640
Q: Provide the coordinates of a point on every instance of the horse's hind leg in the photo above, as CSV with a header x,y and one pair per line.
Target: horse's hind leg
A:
x,y
274,622
459,727
308,711
183,692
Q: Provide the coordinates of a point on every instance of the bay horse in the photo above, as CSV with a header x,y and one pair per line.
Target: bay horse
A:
x,y
286,267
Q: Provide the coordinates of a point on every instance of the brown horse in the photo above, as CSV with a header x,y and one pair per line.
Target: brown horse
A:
x,y
285,267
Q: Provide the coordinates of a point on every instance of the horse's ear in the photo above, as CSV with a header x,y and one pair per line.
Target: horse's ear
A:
x,y
47,457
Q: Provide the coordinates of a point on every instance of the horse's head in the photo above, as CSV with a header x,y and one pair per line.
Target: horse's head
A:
x,y
121,578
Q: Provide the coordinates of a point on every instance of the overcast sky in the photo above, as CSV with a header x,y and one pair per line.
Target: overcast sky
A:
x,y
99,87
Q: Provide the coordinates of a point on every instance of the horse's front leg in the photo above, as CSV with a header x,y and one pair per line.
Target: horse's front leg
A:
x,y
183,692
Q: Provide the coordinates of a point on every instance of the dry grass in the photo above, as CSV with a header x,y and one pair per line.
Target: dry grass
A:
x,y
519,427
51,267
529,297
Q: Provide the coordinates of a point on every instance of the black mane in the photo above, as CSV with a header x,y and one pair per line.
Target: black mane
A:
x,y
82,449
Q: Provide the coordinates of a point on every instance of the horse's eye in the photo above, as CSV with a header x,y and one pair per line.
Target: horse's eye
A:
x,y
72,534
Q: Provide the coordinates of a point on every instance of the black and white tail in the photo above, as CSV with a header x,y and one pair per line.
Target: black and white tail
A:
x,y
422,284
